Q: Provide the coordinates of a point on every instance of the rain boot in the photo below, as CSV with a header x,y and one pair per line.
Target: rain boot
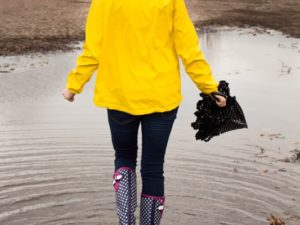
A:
x,y
151,209
126,197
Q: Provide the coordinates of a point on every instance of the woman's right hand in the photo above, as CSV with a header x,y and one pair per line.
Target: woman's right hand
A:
x,y
68,95
220,101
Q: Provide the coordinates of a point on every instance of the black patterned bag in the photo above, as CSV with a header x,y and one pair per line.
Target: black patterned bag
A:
x,y
213,120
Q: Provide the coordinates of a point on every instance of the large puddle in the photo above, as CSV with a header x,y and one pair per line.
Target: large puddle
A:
x,y
56,159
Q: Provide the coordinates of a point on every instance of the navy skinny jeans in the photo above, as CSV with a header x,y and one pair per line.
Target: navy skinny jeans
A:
x,y
156,129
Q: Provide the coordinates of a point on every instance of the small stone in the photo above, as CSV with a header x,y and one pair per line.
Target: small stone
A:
x,y
275,220
287,160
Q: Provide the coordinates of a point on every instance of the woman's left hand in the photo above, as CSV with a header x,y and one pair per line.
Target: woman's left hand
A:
x,y
68,95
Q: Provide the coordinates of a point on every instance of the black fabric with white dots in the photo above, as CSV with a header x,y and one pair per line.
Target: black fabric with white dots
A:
x,y
151,209
126,196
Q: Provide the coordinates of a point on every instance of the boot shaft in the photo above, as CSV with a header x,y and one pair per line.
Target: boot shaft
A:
x,y
126,197
151,209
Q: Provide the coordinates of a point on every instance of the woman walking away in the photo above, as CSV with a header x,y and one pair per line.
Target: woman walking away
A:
x,y
135,45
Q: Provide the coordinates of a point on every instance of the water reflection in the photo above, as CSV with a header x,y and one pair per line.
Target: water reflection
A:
x,y
56,158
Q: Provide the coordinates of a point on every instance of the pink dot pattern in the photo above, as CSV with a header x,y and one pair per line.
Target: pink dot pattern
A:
x,y
151,210
126,195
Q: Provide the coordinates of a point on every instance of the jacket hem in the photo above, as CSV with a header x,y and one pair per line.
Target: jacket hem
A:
x,y
137,111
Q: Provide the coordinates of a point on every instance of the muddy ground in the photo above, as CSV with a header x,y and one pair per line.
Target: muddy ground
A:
x,y
44,25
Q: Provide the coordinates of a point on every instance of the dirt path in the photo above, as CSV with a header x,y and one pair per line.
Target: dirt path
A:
x,y
44,25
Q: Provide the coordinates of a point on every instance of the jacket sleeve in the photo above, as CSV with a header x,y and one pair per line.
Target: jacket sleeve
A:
x,y
187,47
87,62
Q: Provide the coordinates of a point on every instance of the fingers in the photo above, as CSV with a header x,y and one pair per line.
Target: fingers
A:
x,y
71,99
221,104
221,101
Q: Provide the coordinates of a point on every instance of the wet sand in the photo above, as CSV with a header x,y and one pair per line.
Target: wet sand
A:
x,y
41,26
56,158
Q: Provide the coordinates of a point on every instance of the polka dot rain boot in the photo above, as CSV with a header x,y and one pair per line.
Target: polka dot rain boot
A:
x,y
126,200
151,209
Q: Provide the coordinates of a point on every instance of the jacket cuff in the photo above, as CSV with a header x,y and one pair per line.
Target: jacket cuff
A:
x,y
73,90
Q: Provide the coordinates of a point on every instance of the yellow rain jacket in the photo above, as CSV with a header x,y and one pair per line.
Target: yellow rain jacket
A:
x,y
135,45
